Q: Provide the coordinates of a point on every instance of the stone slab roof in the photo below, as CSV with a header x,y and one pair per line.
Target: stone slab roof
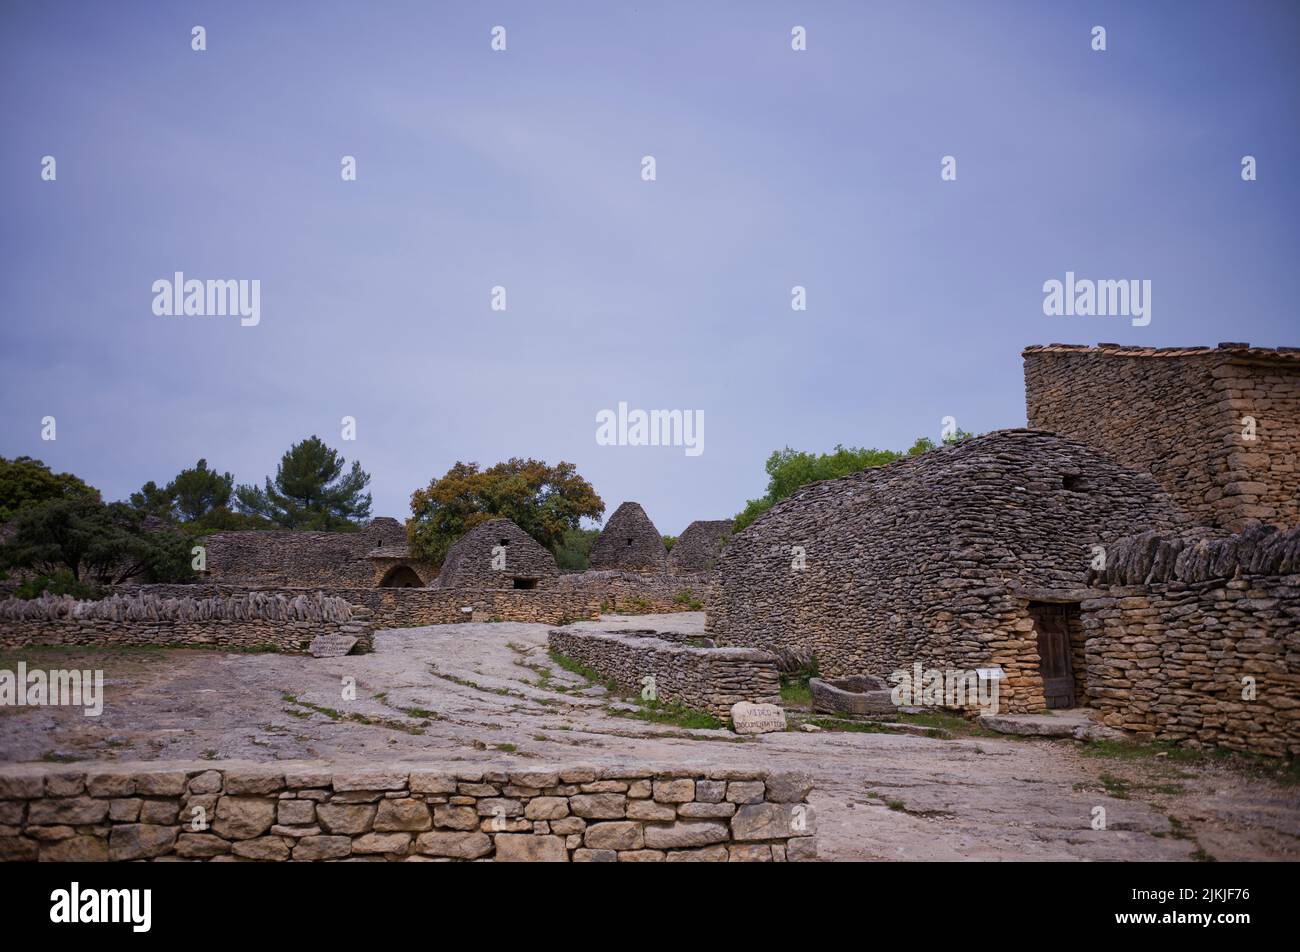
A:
x,y
1231,349
390,552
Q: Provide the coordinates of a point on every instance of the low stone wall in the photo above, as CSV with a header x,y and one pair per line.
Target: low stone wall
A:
x,y
283,621
413,607
313,812
706,679
416,607
634,593
1196,639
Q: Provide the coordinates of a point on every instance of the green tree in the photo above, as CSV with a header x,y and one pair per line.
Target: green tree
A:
x,y
28,482
789,469
573,551
200,491
154,500
310,491
94,542
545,501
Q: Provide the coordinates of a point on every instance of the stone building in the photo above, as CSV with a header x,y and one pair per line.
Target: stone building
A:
x,y
1194,638
697,549
497,554
287,557
969,556
630,542
1218,427
393,566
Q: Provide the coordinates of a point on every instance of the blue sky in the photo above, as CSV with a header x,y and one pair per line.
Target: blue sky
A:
x,y
522,169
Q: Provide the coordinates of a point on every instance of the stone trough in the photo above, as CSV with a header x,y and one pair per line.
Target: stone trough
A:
x,y
856,695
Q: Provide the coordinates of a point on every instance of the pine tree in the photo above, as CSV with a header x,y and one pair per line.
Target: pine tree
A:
x,y
310,491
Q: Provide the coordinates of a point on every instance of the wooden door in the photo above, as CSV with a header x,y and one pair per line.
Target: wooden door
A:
x,y
1052,623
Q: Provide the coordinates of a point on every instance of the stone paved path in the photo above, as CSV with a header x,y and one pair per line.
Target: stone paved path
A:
x,y
488,693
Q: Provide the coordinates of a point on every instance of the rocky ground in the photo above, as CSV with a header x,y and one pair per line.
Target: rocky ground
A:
x,y
490,693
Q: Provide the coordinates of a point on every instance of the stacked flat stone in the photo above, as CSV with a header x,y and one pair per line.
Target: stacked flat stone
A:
x,y
639,592
469,562
285,621
630,542
932,559
1195,639
317,812
1178,413
704,679
290,558
697,549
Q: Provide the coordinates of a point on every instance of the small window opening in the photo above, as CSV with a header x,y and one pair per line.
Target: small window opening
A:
x,y
629,542
525,583
1075,483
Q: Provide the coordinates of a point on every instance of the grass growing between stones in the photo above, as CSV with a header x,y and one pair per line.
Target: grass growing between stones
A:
x,y
581,670
794,684
949,723
653,712
675,715
1165,754
851,727
795,693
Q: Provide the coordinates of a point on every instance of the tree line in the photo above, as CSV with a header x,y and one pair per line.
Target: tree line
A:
x,y
59,530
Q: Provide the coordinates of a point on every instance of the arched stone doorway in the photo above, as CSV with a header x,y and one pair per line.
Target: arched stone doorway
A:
x,y
401,576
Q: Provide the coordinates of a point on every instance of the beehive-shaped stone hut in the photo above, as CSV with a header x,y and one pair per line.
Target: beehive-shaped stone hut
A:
x,y
966,557
697,548
497,554
629,542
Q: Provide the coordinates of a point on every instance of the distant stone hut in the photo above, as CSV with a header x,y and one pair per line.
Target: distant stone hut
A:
x,y
497,554
697,548
971,556
629,542
1218,427
288,557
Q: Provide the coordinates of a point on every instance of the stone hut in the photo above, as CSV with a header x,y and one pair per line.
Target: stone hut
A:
x,y
630,542
497,554
1218,427
288,557
394,567
971,556
698,547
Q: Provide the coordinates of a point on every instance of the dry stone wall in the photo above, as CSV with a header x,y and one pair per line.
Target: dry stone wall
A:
x,y
289,558
1195,638
417,607
1178,414
705,679
497,554
630,542
283,621
933,559
311,812
636,593
697,549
